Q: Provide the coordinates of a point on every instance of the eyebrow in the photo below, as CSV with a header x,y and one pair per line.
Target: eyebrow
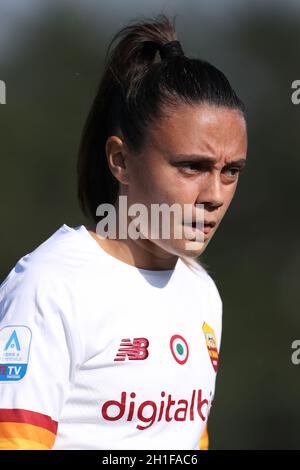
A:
x,y
206,160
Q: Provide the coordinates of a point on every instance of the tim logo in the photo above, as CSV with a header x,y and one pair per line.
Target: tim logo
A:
x,y
12,372
136,350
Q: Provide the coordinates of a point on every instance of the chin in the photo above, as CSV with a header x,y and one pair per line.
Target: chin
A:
x,y
196,251
191,249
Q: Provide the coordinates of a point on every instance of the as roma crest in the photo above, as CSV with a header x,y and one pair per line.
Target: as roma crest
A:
x,y
211,344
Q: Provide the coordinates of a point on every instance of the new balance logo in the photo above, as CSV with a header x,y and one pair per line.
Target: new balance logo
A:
x,y
134,351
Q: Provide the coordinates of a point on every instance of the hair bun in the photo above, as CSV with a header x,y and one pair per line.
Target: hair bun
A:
x,y
171,49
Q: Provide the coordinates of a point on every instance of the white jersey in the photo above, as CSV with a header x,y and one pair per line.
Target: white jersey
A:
x,y
98,354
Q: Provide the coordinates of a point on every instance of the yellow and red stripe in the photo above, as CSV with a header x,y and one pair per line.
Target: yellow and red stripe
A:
x,y
26,430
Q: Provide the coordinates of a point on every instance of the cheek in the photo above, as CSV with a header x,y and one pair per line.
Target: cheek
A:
x,y
187,190
230,193
157,184
228,196
145,186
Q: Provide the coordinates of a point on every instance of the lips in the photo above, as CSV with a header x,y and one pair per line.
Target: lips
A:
x,y
210,224
206,228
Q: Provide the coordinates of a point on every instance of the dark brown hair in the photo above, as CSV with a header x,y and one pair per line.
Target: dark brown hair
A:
x,y
133,91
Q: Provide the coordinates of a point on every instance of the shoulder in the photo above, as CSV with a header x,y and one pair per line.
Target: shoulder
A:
x,y
208,296
58,260
48,273
199,273
38,294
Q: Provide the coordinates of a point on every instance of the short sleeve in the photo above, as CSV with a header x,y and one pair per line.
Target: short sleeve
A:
x,y
39,350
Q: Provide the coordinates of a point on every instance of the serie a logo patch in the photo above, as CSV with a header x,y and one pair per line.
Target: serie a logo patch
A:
x,y
211,344
14,352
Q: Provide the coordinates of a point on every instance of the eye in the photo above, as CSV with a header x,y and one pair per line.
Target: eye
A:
x,y
190,167
233,172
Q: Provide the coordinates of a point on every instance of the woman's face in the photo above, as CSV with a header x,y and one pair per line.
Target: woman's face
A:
x,y
191,156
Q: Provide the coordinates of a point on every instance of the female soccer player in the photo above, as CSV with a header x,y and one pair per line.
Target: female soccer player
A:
x,y
112,342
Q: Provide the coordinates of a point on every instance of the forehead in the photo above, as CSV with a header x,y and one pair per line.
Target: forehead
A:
x,y
200,128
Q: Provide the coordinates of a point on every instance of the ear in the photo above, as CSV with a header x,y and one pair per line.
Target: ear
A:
x,y
116,154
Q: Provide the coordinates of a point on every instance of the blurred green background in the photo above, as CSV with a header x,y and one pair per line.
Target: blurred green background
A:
x,y
51,58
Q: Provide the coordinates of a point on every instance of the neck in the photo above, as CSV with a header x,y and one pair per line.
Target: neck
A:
x,y
141,253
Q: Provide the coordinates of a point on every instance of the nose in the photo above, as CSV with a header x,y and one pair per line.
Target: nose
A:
x,y
210,192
